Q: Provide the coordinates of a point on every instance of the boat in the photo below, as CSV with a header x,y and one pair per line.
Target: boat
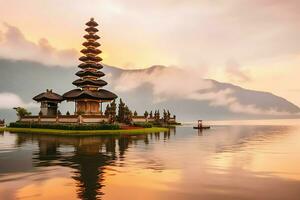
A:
x,y
201,126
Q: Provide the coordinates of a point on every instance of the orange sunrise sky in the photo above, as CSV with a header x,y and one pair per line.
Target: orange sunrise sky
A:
x,y
254,44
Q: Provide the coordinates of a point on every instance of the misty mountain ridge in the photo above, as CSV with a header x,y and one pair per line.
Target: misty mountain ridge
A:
x,y
153,88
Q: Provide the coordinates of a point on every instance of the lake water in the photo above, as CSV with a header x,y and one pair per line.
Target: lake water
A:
x,y
227,162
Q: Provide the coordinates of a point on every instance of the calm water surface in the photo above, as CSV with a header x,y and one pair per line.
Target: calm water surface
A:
x,y
227,162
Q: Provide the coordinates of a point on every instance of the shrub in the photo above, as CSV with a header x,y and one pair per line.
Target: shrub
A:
x,y
22,112
101,126
143,124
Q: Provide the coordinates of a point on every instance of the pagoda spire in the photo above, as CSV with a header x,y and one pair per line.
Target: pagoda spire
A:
x,y
90,93
90,74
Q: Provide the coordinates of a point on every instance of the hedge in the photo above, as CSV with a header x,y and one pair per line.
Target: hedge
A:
x,y
66,126
143,124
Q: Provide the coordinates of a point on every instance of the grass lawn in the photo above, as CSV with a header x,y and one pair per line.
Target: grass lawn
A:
x,y
84,132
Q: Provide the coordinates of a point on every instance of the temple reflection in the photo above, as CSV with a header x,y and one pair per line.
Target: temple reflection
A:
x,y
88,156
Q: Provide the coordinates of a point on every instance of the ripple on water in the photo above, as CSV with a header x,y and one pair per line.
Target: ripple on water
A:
x,y
227,162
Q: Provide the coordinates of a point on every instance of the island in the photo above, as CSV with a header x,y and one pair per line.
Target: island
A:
x,y
89,98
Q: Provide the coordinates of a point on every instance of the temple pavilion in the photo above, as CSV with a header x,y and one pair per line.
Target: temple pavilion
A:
x,y
89,95
49,102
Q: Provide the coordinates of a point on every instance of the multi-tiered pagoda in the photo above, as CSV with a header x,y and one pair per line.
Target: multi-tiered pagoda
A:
x,y
89,95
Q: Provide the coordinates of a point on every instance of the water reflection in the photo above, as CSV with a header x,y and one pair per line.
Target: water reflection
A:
x,y
226,162
88,158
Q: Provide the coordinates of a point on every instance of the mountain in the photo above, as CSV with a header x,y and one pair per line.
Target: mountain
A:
x,y
157,87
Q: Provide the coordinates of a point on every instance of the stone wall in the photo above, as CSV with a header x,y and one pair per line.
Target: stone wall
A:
x,y
148,119
139,119
66,119
84,119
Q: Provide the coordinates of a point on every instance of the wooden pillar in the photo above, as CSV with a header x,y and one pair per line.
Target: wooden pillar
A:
x,y
101,108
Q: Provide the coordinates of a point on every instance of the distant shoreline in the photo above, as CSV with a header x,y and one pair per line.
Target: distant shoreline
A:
x,y
84,132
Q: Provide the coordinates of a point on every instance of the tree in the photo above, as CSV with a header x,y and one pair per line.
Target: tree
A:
x,y
135,114
169,114
165,116
146,114
107,110
22,112
120,116
151,114
127,115
157,115
113,111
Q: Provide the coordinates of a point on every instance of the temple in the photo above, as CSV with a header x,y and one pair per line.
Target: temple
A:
x,y
89,95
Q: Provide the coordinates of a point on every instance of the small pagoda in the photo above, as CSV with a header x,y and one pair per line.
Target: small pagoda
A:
x,y
49,102
89,95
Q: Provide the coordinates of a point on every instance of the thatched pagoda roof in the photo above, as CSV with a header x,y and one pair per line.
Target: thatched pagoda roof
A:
x,y
90,36
86,82
91,44
83,73
90,65
48,96
91,30
90,58
92,23
100,94
91,50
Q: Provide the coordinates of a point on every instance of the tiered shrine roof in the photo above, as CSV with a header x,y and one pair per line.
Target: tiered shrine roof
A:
x,y
90,83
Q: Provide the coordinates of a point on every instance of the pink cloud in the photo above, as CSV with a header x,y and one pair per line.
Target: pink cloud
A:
x,y
14,45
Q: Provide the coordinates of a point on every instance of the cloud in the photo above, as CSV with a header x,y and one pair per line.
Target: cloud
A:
x,y
225,98
174,83
167,82
10,100
14,45
209,31
236,73
237,107
173,31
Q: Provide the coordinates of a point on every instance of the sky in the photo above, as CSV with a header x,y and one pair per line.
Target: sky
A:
x,y
252,43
